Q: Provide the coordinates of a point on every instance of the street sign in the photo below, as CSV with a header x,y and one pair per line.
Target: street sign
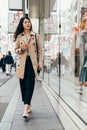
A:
x,y
13,20
50,25
15,5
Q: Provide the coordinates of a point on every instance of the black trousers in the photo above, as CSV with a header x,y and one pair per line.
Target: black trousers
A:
x,y
27,84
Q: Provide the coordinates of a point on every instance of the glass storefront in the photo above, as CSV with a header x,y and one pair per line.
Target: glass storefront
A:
x,y
64,53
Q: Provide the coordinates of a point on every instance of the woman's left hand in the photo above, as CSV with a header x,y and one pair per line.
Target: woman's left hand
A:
x,y
39,67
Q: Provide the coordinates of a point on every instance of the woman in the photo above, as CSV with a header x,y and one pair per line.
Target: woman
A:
x,y
82,40
27,63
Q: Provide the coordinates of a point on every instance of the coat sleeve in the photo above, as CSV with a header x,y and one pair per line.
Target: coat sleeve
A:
x,y
18,49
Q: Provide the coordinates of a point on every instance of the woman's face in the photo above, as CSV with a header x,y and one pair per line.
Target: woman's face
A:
x,y
26,24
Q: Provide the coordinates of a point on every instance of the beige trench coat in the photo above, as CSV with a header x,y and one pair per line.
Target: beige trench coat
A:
x,y
32,52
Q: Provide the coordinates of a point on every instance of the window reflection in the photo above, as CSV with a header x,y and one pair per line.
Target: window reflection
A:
x,y
65,59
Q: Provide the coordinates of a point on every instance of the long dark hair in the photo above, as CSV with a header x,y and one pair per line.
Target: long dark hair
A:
x,y
20,27
9,52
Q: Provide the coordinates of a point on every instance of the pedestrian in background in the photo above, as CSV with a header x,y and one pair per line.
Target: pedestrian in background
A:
x,y
3,65
9,62
27,63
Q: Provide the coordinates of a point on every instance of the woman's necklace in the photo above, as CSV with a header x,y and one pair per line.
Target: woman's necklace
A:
x,y
27,38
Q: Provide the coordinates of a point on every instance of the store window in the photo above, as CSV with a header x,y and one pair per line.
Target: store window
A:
x,y
65,54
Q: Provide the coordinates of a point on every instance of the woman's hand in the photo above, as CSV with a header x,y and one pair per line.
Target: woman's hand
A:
x,y
25,46
39,67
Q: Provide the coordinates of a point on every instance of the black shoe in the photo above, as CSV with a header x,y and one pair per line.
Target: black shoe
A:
x,y
26,118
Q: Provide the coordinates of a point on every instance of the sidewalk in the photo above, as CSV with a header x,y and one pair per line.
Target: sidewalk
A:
x,y
6,92
4,78
42,116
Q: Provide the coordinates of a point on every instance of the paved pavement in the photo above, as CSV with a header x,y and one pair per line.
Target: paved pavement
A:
x,y
3,103
4,78
42,116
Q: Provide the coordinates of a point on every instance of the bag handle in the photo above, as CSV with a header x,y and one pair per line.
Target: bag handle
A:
x,y
36,47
